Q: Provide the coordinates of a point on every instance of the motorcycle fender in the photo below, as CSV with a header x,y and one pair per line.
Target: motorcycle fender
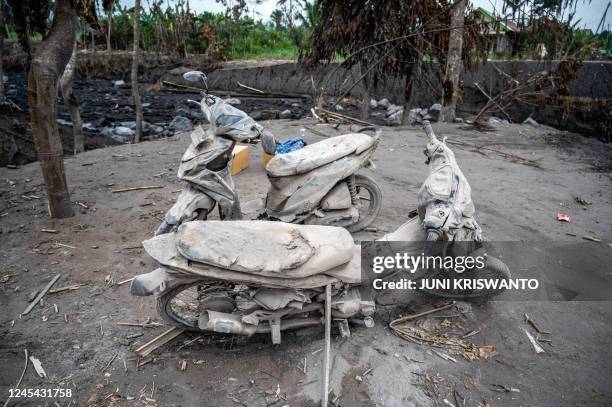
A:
x,y
157,281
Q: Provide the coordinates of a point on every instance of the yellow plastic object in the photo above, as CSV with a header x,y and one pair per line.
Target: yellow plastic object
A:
x,y
240,160
266,157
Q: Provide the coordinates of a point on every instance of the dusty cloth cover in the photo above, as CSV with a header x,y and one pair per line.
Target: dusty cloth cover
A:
x,y
318,154
266,248
163,250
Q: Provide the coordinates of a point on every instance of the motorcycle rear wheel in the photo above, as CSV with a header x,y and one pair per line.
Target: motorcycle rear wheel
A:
x,y
370,204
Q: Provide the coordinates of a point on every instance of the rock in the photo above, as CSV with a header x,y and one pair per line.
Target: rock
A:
x,y
395,119
434,111
384,103
180,124
414,116
531,122
132,125
155,129
285,114
107,131
122,134
496,121
232,101
373,104
181,111
392,109
119,84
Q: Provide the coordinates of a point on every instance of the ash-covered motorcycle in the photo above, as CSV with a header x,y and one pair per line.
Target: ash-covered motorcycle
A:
x,y
318,184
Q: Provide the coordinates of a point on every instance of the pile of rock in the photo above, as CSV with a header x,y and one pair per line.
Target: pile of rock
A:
x,y
393,113
418,115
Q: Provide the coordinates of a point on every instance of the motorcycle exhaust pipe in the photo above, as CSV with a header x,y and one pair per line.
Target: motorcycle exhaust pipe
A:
x,y
224,323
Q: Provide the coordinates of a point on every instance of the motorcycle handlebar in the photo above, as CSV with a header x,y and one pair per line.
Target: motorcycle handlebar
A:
x,y
429,131
377,131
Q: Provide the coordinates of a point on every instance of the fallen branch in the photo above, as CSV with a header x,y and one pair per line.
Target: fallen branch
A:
x,y
114,191
250,88
68,287
322,113
509,156
25,367
41,294
422,314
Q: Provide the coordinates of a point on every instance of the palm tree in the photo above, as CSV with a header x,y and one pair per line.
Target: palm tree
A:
x,y
277,17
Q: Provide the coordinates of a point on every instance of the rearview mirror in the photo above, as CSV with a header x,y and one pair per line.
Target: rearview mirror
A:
x,y
194,76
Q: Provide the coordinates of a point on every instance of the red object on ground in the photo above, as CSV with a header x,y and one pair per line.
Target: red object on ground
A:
x,y
563,217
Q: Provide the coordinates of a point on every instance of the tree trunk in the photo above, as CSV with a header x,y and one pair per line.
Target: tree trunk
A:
x,y
2,30
72,102
408,95
450,85
47,65
134,79
109,26
365,95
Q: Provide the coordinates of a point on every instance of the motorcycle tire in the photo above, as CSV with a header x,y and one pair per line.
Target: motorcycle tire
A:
x,y
164,308
375,203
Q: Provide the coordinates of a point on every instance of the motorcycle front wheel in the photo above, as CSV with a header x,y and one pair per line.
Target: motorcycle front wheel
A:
x,y
181,305
369,197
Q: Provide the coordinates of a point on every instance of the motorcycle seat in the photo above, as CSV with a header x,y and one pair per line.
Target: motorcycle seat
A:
x,y
263,247
318,154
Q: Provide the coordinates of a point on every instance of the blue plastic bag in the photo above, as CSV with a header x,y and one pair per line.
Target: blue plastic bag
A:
x,y
290,145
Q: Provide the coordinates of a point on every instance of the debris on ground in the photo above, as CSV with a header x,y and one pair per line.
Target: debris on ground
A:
x,y
41,294
536,345
158,341
563,217
38,367
436,332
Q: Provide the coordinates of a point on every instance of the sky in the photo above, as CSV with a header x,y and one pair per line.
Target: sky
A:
x,y
589,11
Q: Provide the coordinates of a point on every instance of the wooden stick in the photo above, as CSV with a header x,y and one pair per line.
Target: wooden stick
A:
x,y
25,367
114,191
41,294
158,341
68,287
422,314
250,88
127,280
326,355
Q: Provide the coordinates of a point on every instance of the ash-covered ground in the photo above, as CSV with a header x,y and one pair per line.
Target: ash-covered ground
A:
x,y
100,246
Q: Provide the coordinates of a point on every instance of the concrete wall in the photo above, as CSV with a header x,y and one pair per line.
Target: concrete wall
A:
x,y
587,108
